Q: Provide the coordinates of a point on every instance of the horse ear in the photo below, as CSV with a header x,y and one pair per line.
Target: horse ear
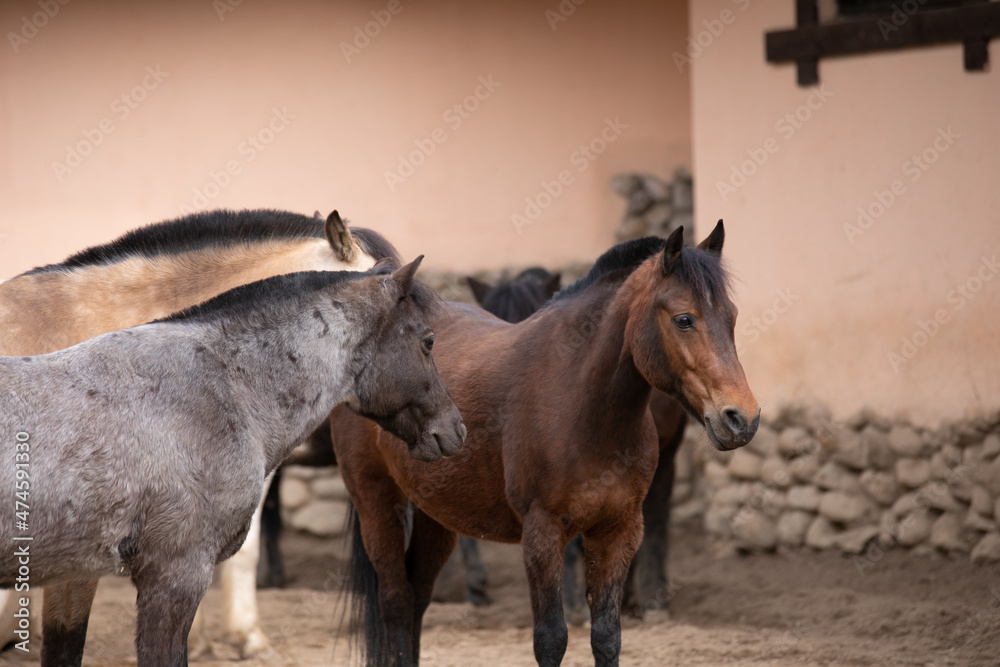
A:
x,y
479,289
552,285
340,237
404,275
714,241
672,251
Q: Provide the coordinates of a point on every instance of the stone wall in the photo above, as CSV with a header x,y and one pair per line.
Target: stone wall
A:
x,y
860,486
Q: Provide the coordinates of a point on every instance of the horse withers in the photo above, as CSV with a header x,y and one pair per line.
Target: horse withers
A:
x,y
145,450
561,441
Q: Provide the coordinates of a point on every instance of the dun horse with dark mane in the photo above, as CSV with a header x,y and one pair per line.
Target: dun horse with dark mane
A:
x,y
560,441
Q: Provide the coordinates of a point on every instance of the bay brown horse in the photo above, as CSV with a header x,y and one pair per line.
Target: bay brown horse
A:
x,y
560,441
647,586
147,274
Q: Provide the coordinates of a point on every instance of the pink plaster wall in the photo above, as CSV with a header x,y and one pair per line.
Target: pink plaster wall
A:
x,y
346,123
831,306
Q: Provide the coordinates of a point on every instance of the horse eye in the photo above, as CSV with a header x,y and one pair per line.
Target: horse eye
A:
x,y
428,344
684,321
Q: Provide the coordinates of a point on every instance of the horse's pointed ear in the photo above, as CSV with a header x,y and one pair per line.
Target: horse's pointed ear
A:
x,y
404,275
479,289
714,241
672,251
552,285
340,237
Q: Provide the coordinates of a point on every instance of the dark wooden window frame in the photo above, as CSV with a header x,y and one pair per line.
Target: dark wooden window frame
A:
x,y
972,25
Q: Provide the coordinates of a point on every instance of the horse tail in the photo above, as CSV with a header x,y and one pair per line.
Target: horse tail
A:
x,y
363,607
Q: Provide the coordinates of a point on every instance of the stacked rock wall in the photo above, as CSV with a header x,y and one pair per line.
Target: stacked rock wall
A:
x,y
862,486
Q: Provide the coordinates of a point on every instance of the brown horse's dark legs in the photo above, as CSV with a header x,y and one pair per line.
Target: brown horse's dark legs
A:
x,y
430,547
543,542
381,510
168,597
65,613
609,549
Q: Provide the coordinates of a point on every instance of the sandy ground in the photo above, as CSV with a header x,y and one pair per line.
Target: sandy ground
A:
x,y
790,609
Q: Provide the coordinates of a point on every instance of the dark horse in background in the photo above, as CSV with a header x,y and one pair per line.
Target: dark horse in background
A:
x,y
560,441
647,585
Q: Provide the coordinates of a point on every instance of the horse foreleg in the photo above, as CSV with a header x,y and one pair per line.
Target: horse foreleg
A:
x,y
167,599
609,549
475,572
430,546
239,596
543,541
65,613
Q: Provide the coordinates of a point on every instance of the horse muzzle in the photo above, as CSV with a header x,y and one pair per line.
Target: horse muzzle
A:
x,y
730,427
442,438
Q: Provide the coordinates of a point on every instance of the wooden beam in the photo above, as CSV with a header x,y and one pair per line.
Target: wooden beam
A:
x,y
971,25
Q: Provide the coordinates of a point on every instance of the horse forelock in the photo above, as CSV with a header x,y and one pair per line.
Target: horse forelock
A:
x,y
705,274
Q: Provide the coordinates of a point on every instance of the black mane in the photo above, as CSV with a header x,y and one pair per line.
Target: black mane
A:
x,y
625,256
269,295
263,296
703,271
210,229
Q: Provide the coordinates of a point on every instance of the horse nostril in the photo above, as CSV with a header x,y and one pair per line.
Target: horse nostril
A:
x,y
734,420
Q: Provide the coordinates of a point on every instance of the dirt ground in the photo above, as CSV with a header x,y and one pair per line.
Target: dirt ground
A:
x,y
785,609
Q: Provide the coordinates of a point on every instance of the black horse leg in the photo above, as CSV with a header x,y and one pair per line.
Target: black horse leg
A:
x,y
271,567
65,613
430,546
646,588
574,601
475,572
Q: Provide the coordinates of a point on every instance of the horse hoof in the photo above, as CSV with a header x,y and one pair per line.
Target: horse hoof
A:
x,y
255,645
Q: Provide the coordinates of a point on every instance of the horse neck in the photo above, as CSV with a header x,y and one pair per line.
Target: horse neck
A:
x,y
286,374
48,311
596,346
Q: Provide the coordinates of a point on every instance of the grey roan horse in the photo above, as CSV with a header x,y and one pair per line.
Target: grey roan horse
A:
x,y
144,451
